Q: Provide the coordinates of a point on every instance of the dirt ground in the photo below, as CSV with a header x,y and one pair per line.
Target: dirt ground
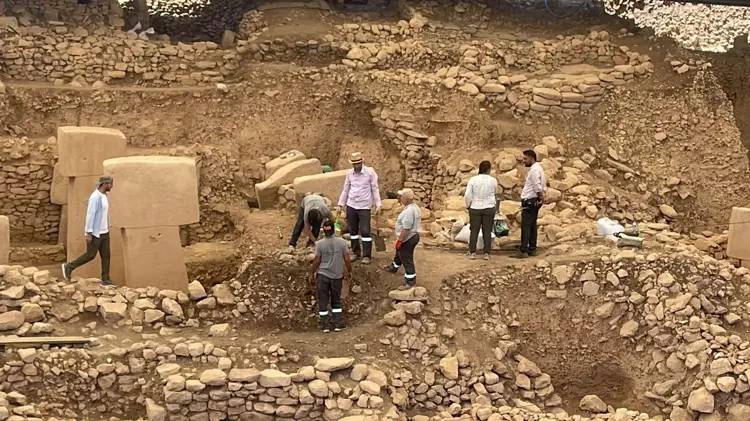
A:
x,y
271,108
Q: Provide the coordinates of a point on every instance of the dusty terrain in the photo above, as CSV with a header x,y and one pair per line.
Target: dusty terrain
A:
x,y
631,126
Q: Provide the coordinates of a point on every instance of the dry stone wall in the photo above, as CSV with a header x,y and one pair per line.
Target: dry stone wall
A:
x,y
96,12
25,181
62,53
414,148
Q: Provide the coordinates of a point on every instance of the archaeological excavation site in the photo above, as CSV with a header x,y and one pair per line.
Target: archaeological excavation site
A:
x,y
186,185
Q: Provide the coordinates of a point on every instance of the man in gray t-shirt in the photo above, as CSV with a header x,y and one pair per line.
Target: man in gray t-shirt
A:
x,y
312,212
407,232
332,262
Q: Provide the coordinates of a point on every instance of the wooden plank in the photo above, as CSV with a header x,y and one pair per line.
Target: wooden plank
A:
x,y
43,340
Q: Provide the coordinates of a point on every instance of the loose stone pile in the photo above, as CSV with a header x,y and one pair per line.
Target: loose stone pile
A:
x,y
680,308
695,26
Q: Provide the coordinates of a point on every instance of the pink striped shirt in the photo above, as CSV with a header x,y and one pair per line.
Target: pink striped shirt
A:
x,y
361,189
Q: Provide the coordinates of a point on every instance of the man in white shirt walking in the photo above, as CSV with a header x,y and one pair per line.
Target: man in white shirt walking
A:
x,y
96,230
481,202
532,198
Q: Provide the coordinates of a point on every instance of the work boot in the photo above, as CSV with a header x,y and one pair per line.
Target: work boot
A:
x,y
471,255
66,272
325,324
390,268
338,322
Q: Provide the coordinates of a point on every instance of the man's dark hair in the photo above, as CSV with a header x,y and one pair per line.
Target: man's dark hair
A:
x,y
328,228
314,217
485,167
530,153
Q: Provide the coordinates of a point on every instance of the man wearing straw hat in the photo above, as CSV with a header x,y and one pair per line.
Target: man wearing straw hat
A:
x,y
96,230
358,196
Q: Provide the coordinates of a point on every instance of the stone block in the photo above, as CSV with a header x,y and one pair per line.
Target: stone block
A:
x,y
117,256
329,184
153,191
82,150
286,158
267,191
58,192
79,190
153,257
62,228
738,245
4,239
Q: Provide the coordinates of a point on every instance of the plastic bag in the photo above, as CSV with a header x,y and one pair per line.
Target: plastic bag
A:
x,y
606,226
500,228
465,233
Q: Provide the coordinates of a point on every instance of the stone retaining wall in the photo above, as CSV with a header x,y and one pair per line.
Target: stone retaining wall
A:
x,y
25,181
62,53
95,12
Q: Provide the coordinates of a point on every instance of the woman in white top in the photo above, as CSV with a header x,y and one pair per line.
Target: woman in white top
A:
x,y
481,202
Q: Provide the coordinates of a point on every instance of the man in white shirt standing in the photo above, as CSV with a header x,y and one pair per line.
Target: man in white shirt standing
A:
x,y
96,230
481,202
532,199
360,193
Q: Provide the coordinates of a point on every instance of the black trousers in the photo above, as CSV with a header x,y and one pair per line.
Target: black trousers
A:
x,y
481,218
300,225
329,292
529,214
97,245
359,228
405,257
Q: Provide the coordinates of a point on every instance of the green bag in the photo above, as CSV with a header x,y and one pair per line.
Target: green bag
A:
x,y
501,228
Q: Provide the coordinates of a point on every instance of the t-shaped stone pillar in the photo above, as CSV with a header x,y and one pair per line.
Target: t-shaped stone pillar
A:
x,y
81,151
154,196
4,240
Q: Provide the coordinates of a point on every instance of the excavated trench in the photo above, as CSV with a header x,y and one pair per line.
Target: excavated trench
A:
x,y
732,70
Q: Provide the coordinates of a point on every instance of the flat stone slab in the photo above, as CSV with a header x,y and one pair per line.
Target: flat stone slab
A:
x,y
413,294
291,156
154,257
4,240
153,191
738,246
317,4
268,191
329,184
82,150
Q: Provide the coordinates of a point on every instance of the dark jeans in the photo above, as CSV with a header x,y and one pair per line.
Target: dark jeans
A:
x,y
481,218
329,292
359,227
300,225
529,214
405,256
100,245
